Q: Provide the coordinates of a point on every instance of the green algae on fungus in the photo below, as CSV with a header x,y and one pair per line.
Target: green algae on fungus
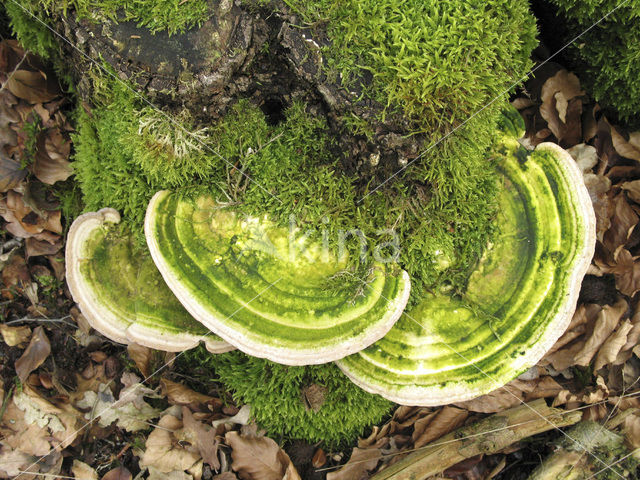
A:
x,y
120,291
267,294
518,301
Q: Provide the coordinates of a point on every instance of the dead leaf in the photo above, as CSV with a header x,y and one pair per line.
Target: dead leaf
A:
x,y
598,186
131,411
606,322
242,417
179,394
623,221
82,471
118,473
36,353
11,172
361,462
561,107
34,87
225,476
444,421
609,350
259,458
585,156
202,436
164,452
632,189
141,357
51,164
13,336
313,397
626,148
631,430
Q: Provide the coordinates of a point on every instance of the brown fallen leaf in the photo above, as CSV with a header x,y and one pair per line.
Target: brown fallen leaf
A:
x,y
512,394
631,430
609,350
626,148
360,463
142,357
623,220
179,394
633,190
598,187
13,336
225,476
11,172
118,473
51,164
164,452
606,322
36,353
259,458
82,471
202,436
444,421
33,86
561,107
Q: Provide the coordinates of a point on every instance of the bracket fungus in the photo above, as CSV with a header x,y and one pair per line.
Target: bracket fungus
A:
x,y
241,279
518,302
122,294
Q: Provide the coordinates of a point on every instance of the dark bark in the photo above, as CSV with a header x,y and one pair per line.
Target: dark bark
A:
x,y
240,53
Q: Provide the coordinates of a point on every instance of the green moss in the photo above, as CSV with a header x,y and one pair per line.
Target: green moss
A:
x,y
31,34
439,218
174,16
437,62
607,57
276,395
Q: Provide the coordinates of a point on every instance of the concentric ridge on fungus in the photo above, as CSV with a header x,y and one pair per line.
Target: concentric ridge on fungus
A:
x,y
519,300
238,278
122,294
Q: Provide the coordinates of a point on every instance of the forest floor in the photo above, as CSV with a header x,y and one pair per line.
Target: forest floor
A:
x,y
74,404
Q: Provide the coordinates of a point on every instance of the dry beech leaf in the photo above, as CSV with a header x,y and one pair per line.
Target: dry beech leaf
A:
x,y
34,87
82,471
202,436
141,356
626,148
11,172
632,189
585,156
179,394
51,164
36,353
512,394
259,458
444,421
606,322
225,476
360,463
165,454
631,430
13,336
118,473
598,186
609,350
623,221
35,247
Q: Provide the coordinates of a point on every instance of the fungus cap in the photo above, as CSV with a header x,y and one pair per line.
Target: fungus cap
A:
x,y
238,277
518,302
122,294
